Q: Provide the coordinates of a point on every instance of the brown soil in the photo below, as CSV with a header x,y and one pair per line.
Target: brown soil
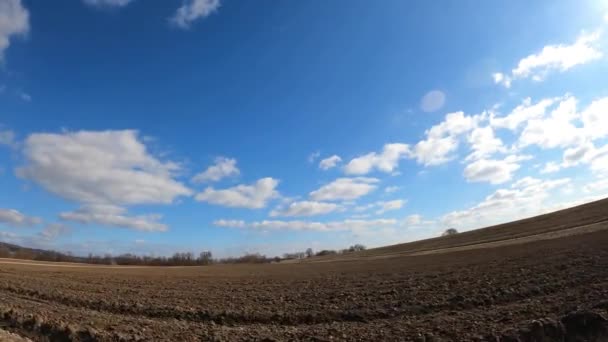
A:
x,y
550,289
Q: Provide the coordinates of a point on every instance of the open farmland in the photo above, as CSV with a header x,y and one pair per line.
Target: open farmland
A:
x,y
541,279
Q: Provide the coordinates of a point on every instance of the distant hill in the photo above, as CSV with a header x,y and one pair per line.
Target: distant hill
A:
x,y
9,250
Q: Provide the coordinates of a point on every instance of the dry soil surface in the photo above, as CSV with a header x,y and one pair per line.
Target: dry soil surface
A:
x,y
551,289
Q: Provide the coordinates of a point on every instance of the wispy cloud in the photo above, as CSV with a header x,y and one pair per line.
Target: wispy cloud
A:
x,y
558,57
253,196
330,162
223,168
108,3
14,21
14,218
193,10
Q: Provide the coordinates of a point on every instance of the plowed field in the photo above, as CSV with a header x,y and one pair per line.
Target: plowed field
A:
x,y
523,280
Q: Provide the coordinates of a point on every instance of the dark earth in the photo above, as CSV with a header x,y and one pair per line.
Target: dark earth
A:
x,y
541,279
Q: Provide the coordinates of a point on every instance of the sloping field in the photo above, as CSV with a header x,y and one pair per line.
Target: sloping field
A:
x,y
549,289
565,222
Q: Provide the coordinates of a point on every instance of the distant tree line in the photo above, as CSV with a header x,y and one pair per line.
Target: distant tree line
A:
x,y
309,253
177,259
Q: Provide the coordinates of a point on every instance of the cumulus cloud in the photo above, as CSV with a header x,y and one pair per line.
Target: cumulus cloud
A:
x,y
192,10
385,161
495,171
500,78
484,143
521,114
14,21
550,167
554,130
223,167
305,208
108,167
526,197
109,3
432,101
599,185
114,216
442,139
587,153
254,196
559,57
345,189
330,162
595,119
14,218
390,206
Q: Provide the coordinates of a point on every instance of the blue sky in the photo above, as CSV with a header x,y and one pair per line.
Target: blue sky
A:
x,y
272,126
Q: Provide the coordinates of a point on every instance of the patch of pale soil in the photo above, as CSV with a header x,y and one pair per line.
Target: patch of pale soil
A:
x,y
72,265
6,336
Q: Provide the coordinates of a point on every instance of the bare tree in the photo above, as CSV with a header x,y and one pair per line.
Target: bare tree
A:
x,y
309,253
5,252
449,231
205,258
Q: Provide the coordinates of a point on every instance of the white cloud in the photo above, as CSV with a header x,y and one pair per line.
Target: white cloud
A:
x,y
382,206
390,206
345,189
587,153
333,226
599,185
442,139
555,130
109,3
575,155
495,171
560,57
193,10
391,189
525,197
103,171
484,143
305,208
386,161
108,167
223,167
434,151
253,196
595,119
114,216
500,78
550,167
54,230
522,114
14,21
330,162
15,218
432,101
